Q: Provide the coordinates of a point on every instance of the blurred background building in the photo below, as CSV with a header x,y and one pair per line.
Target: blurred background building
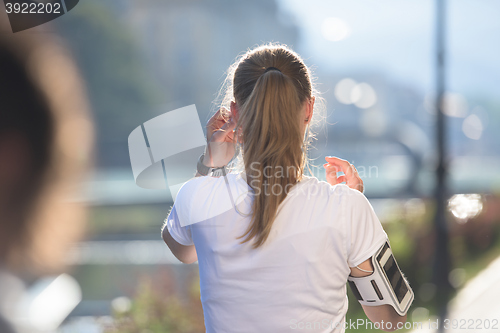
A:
x,y
374,64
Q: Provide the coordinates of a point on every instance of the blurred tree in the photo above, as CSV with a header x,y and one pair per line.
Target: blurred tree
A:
x,y
120,88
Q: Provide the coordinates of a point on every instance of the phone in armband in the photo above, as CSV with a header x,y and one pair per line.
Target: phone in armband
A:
x,y
386,285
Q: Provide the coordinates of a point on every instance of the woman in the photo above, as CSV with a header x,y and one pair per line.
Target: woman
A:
x,y
275,247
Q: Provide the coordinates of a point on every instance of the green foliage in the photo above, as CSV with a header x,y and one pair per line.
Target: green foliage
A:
x,y
160,310
127,219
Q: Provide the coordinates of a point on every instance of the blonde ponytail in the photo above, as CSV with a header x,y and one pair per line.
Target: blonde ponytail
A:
x,y
270,84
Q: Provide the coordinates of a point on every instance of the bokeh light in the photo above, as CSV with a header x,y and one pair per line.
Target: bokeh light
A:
x,y
335,29
465,206
363,96
343,90
454,105
457,277
472,127
420,314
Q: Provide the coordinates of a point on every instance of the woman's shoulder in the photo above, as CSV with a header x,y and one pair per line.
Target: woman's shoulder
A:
x,y
205,185
205,197
190,187
314,186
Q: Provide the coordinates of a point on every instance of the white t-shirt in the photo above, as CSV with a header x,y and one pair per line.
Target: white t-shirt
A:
x,y
296,281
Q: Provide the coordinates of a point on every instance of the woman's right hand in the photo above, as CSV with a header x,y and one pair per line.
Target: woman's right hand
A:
x,y
221,141
350,177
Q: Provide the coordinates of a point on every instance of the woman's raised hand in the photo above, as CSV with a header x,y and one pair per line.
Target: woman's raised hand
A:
x,y
350,177
221,141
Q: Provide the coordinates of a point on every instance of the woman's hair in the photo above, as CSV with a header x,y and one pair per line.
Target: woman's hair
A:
x,y
270,103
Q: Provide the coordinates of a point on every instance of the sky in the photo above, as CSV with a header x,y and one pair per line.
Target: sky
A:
x,y
396,38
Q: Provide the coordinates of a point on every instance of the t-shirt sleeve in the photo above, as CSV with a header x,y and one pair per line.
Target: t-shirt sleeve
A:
x,y
182,235
365,234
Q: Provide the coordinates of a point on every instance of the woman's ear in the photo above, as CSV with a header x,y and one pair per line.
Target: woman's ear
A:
x,y
235,111
310,109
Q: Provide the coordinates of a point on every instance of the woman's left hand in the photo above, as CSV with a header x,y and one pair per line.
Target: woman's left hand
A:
x,y
350,177
221,145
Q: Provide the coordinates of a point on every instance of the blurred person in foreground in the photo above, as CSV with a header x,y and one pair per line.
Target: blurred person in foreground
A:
x,y
303,238
46,138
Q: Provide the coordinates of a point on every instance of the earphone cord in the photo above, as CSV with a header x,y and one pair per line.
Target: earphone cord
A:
x,y
363,270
